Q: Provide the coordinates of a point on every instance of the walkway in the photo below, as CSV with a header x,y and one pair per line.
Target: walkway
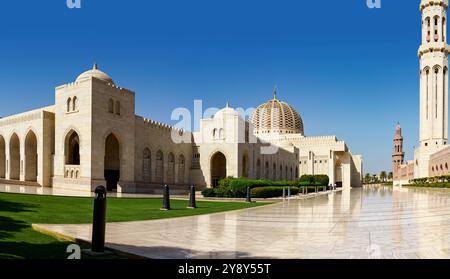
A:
x,y
374,222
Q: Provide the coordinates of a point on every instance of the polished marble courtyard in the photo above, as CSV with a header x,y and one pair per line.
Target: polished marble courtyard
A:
x,y
369,222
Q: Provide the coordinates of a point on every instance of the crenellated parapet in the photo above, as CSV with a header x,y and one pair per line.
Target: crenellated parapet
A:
x,y
430,3
153,124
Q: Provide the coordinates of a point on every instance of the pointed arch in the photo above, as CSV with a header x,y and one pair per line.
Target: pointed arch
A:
x,y
75,104
117,109
14,157
112,161
147,165
2,157
31,157
72,148
258,169
274,171
181,169
245,165
69,104
111,106
159,172
171,168
218,163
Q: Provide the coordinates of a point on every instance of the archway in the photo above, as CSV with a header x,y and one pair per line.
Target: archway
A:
x,y
72,151
258,169
159,176
338,173
274,172
181,169
147,166
2,158
267,172
245,165
171,168
14,157
218,168
31,157
112,162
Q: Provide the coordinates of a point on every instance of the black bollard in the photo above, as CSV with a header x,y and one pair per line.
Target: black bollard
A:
x,y
99,222
192,202
249,195
166,198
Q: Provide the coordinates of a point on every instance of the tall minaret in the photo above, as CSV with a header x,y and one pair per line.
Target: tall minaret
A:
x,y
433,54
398,156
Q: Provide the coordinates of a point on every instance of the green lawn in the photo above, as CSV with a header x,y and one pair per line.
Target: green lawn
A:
x,y
18,212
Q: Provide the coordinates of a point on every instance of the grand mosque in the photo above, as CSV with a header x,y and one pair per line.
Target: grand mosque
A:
x,y
92,136
432,153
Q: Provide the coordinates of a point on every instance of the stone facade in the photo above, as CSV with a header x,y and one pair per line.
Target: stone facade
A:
x,y
92,136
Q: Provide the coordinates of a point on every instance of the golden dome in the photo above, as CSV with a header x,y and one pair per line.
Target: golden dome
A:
x,y
277,117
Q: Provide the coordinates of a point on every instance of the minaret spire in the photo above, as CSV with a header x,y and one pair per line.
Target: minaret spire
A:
x,y
275,93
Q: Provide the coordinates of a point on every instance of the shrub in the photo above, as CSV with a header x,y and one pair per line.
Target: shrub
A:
x,y
319,180
271,192
322,179
208,193
429,185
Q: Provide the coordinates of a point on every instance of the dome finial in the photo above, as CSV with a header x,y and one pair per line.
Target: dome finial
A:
x,y
228,104
95,67
275,92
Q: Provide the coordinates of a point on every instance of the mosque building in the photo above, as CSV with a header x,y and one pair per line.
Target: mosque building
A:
x,y
91,136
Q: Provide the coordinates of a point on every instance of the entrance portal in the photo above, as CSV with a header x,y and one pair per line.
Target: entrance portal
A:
x,y
31,157
218,168
112,162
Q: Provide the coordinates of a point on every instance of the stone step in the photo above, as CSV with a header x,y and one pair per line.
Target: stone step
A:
x,y
17,182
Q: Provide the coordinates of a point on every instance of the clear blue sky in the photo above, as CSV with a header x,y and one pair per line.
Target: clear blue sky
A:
x,y
350,71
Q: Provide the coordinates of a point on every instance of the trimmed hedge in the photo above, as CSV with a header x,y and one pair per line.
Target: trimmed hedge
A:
x,y
231,187
319,180
431,180
430,185
271,192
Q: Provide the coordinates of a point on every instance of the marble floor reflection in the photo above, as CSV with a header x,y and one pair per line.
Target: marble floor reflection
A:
x,y
369,222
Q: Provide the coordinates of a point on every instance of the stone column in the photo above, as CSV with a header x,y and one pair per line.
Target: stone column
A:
x,y
311,163
331,167
22,160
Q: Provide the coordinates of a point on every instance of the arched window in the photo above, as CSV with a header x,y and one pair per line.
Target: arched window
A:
x,y
159,177
436,23
75,104
72,150
181,169
69,103
171,168
214,133
146,166
444,29
221,134
111,106
117,107
267,176
274,171
258,169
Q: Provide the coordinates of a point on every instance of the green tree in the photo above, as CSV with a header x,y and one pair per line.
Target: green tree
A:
x,y
383,176
367,178
390,176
